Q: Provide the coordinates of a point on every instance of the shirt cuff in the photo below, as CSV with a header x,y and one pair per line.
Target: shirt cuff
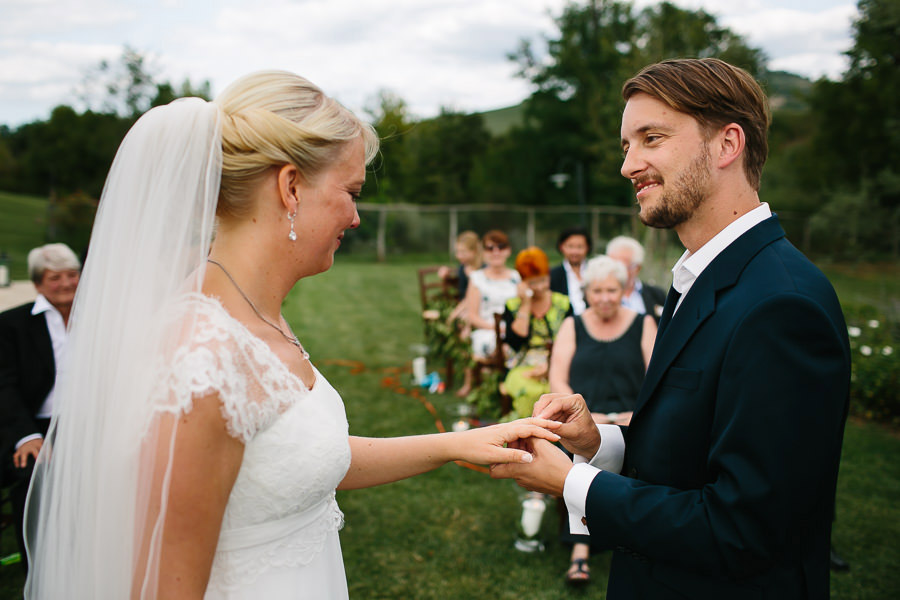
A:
x,y
28,438
611,454
575,492
609,457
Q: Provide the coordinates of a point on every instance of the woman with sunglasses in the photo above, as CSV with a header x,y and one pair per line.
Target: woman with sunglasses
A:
x,y
489,289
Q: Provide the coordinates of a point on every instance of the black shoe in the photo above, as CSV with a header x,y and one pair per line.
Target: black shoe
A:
x,y
837,563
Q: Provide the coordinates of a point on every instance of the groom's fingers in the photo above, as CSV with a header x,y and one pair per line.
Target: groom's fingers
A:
x,y
558,406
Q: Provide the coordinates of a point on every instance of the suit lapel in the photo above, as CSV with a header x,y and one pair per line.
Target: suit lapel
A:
x,y
42,342
675,330
668,311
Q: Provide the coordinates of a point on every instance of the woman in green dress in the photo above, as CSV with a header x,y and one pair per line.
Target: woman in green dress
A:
x,y
532,319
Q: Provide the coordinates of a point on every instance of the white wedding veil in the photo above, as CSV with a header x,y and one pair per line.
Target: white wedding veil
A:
x,y
97,500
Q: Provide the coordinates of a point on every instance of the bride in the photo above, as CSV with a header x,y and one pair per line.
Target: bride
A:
x,y
197,448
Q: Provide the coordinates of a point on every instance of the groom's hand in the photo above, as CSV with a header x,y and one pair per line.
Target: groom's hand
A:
x,y
546,473
578,431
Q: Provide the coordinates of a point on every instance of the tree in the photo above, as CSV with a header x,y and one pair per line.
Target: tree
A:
x,y
390,117
857,141
443,152
125,88
575,109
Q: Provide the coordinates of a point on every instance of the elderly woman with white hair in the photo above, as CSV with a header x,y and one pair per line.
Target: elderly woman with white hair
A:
x,y
601,354
32,345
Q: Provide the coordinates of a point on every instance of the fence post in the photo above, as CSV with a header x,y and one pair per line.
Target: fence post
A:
x,y
380,244
454,230
529,236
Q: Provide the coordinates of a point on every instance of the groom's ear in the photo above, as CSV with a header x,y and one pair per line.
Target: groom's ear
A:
x,y
289,182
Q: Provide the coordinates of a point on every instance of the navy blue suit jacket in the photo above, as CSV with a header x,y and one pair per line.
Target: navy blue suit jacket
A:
x,y
27,372
731,459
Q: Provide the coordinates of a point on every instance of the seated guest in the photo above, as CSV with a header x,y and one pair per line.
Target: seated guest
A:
x,y
489,289
602,355
574,244
468,253
532,320
640,297
32,346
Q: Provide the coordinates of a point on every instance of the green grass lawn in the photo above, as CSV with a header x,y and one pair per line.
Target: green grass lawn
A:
x,y
449,534
23,221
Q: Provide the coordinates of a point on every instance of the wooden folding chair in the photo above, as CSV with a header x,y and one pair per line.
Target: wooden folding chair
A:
x,y
435,292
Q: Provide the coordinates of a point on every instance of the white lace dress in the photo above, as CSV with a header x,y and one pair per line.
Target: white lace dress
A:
x,y
279,536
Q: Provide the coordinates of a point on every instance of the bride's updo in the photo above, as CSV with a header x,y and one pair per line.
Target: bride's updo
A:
x,y
273,118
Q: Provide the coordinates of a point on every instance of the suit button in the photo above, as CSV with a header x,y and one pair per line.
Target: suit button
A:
x,y
632,472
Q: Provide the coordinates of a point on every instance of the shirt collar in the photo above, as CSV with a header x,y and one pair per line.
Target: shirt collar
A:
x,y
42,305
689,266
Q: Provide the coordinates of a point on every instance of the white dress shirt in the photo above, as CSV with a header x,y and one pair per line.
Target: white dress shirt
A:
x,y
611,454
58,336
689,266
634,300
576,294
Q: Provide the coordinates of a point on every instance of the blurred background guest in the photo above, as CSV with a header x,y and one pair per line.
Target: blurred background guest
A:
x,y
489,289
32,347
532,320
574,244
638,296
601,354
468,253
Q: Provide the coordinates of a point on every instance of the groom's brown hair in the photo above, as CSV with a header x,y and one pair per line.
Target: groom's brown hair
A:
x,y
715,93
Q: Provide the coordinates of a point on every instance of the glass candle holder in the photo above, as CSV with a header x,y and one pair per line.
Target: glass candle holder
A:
x,y
462,413
528,527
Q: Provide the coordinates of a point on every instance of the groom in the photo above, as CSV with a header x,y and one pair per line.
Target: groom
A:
x,y
723,485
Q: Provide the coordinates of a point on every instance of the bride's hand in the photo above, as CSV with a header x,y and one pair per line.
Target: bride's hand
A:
x,y
503,443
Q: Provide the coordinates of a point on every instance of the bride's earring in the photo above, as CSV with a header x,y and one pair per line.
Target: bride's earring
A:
x,y
293,234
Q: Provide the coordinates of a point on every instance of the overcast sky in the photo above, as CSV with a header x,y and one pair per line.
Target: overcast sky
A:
x,y
431,53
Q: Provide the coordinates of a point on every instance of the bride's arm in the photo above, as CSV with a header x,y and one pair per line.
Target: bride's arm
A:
x,y
204,468
382,460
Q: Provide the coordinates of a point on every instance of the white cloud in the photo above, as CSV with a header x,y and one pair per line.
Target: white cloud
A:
x,y
435,53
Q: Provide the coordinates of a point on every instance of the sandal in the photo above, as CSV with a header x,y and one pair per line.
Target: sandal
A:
x,y
581,575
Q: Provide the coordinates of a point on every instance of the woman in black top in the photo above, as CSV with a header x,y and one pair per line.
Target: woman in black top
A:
x,y
602,354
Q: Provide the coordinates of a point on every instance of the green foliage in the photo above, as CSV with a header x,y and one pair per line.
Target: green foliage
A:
x,y
72,151
857,139
486,396
443,336
573,116
23,226
70,220
67,153
875,355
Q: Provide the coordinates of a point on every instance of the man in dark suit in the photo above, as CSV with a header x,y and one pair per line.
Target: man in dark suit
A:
x,y
643,298
574,244
723,484
32,342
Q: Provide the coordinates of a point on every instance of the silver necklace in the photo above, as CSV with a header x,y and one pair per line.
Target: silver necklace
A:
x,y
291,338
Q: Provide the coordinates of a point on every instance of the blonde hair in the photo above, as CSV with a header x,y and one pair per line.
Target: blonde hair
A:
x,y
274,118
471,242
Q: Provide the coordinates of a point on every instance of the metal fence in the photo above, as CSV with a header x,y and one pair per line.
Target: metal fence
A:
x,y
394,230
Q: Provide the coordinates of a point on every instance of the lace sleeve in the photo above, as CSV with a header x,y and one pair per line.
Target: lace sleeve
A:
x,y
220,356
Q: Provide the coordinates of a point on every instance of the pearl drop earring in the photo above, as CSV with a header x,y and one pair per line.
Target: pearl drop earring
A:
x,y
293,234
